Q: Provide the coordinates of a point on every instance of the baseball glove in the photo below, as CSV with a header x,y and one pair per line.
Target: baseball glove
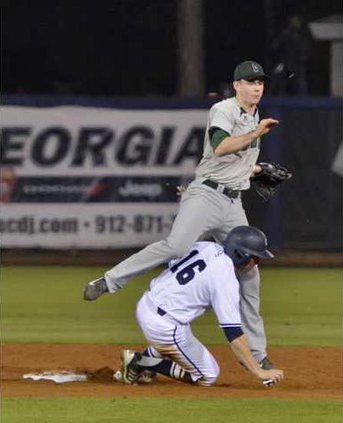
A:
x,y
266,181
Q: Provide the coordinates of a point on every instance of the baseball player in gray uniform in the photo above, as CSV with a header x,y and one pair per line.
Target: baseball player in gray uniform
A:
x,y
212,205
204,278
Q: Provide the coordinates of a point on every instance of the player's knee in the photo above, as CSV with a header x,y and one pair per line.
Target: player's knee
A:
x,y
255,272
209,378
253,275
176,249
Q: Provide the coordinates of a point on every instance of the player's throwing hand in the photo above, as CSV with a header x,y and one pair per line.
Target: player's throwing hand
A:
x,y
272,376
265,126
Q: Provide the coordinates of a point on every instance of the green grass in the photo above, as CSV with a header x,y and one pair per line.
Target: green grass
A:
x,y
303,306
44,304
151,410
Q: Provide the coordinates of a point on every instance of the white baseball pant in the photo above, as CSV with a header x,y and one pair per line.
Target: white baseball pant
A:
x,y
175,341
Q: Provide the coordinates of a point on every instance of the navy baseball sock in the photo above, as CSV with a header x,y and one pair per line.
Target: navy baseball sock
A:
x,y
164,367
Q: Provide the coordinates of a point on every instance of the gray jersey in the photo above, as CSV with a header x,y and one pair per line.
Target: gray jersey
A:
x,y
233,170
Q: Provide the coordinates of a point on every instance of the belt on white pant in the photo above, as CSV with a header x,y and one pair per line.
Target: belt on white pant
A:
x,y
160,310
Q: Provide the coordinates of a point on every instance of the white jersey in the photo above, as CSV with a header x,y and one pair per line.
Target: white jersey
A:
x,y
233,170
204,278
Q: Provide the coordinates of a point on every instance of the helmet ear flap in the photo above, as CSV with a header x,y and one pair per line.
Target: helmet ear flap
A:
x,y
241,258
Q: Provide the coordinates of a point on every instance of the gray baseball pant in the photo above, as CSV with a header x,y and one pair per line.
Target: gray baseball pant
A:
x,y
203,211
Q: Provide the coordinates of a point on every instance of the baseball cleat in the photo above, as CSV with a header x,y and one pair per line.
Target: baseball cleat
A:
x,y
131,370
95,289
266,364
118,376
146,377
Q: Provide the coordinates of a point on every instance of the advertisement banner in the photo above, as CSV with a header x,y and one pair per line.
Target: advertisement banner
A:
x,y
85,177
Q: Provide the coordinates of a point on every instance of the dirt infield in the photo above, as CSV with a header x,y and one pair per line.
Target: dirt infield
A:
x,y
310,373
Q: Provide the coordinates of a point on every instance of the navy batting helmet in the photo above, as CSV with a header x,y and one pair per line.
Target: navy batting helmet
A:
x,y
245,242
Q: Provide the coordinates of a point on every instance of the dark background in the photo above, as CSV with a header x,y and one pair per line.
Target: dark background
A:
x,y
129,47
127,51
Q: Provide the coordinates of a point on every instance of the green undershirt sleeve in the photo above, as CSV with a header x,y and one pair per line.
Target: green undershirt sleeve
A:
x,y
216,136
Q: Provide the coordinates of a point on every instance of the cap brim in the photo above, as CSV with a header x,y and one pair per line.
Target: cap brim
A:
x,y
252,78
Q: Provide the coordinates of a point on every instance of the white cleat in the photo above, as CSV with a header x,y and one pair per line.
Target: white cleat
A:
x,y
132,372
146,377
130,369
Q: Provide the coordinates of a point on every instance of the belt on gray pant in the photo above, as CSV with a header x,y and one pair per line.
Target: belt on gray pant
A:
x,y
226,191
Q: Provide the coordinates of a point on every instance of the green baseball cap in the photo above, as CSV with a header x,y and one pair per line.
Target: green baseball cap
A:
x,y
249,70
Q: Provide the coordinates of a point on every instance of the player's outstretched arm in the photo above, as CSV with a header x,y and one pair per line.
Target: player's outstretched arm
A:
x,y
233,144
241,349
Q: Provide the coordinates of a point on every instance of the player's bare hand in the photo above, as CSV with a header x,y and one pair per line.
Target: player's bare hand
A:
x,y
273,375
265,126
256,169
